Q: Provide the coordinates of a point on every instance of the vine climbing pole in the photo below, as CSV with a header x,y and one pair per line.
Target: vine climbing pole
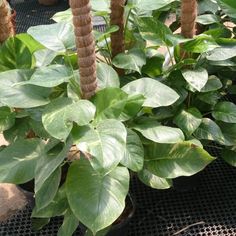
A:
x,y
6,27
117,38
85,43
188,18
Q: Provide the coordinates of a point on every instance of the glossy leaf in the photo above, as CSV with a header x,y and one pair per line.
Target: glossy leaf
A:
x,y
134,152
156,93
154,181
44,57
188,120
225,111
229,156
58,37
47,192
229,7
104,144
207,19
59,115
196,78
133,60
174,160
222,53
7,118
212,84
160,134
107,76
96,200
18,160
14,54
26,96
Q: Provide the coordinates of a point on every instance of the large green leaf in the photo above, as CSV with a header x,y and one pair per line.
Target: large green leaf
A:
x,y
229,7
134,152
69,225
109,102
48,164
14,54
154,181
47,192
58,37
212,84
209,130
26,96
229,132
222,53
18,160
96,200
44,57
196,78
59,115
105,143
156,93
107,76
50,76
158,133
7,118
229,156
174,160
132,60
188,120
225,111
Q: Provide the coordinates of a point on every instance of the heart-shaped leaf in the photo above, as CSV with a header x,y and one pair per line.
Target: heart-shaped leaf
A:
x,y
174,160
225,111
96,200
104,144
156,93
59,115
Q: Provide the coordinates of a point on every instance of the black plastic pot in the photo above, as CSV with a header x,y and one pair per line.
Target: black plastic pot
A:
x,y
187,184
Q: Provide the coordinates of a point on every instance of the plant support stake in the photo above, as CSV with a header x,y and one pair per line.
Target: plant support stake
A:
x,y
188,18
6,27
82,20
117,38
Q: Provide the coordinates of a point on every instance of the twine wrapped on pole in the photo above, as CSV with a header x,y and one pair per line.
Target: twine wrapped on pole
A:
x,y
6,26
188,18
117,38
85,43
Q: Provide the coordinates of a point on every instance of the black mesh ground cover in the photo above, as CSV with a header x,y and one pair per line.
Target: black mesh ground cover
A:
x,y
211,209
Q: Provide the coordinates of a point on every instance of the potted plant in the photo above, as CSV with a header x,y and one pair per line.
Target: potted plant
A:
x,y
97,126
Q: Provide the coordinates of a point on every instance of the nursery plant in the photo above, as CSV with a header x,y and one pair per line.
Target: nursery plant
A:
x,y
81,116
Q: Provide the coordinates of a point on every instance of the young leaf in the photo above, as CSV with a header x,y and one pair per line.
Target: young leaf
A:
x,y
134,152
196,78
174,160
154,181
156,94
96,200
18,160
104,144
59,115
225,111
188,120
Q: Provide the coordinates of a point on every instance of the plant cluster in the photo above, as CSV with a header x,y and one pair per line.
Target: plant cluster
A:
x,y
157,118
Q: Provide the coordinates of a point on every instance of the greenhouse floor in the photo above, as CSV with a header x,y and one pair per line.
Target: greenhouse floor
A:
x,y
209,210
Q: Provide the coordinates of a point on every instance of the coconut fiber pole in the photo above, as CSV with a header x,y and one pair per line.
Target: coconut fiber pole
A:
x,y
188,18
85,44
6,27
117,38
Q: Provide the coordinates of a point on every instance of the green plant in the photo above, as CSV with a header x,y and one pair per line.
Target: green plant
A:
x,y
154,120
